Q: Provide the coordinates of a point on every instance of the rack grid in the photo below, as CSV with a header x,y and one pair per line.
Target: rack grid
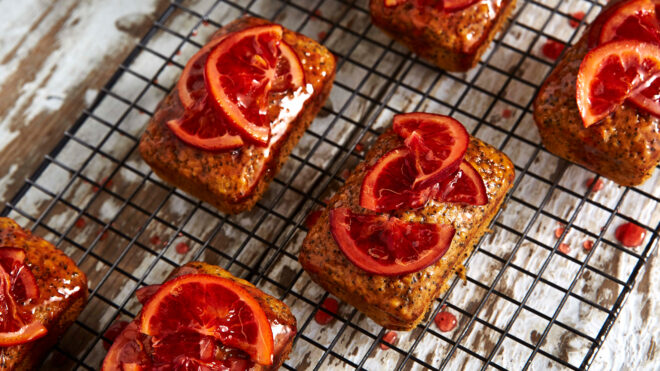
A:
x,y
526,302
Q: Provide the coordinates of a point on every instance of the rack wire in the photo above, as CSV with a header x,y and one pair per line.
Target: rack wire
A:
x,y
526,302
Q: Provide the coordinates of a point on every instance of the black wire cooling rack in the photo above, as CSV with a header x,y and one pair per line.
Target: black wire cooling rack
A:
x,y
527,301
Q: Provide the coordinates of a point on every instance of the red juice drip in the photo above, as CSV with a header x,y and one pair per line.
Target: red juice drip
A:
x,y
552,49
588,245
445,321
564,248
182,248
630,234
578,16
597,187
155,240
329,304
391,337
80,223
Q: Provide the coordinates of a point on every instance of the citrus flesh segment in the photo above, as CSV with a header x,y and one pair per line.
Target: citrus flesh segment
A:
x,y
208,308
437,142
244,69
22,282
14,329
614,72
388,184
448,5
388,246
191,87
466,186
634,20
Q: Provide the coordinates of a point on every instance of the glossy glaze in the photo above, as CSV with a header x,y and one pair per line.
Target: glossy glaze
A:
x,y
234,180
62,294
452,40
400,302
624,147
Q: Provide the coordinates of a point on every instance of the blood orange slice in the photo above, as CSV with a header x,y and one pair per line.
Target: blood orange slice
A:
x,y
466,186
437,142
634,20
14,330
388,184
244,69
22,282
614,72
203,308
205,129
388,246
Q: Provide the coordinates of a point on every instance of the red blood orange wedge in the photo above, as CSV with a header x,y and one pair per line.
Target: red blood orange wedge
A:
x,y
614,72
205,129
466,186
209,307
22,282
388,184
14,329
388,246
634,20
244,69
437,142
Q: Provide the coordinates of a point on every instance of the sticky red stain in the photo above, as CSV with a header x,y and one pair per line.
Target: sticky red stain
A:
x,y
112,332
552,49
588,245
445,321
578,16
312,218
182,248
81,223
178,52
630,234
597,187
391,337
104,234
205,22
155,81
155,240
318,13
559,231
107,185
359,147
323,318
322,35
145,293
507,113
564,248
193,33
169,63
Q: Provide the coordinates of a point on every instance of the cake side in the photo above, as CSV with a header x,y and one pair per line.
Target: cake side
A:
x,y
400,302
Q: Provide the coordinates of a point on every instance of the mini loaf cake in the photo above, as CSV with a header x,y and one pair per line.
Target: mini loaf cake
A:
x,y
589,111
239,108
452,34
42,292
406,218
202,317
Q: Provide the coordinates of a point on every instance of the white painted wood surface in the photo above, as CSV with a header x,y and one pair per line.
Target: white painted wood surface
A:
x,y
56,54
